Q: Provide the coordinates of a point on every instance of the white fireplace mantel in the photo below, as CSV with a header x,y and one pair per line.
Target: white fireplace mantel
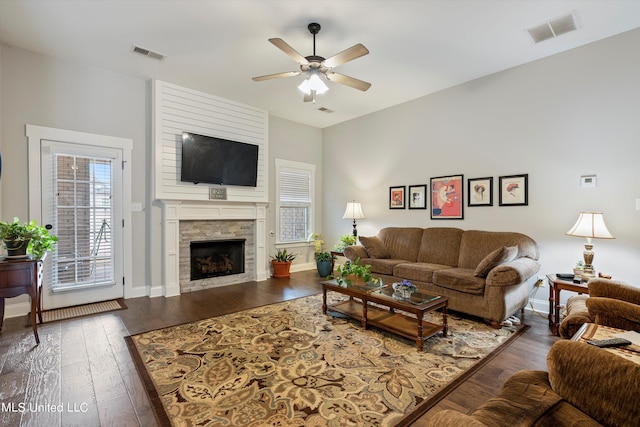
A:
x,y
175,211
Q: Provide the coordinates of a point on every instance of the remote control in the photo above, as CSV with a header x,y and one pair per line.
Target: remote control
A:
x,y
611,342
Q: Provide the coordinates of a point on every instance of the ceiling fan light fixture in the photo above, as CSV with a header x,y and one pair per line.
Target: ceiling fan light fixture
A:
x,y
313,83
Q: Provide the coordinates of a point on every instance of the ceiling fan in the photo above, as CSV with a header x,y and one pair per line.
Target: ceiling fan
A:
x,y
316,67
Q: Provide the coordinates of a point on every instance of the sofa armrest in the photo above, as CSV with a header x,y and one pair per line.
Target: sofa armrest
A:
x,y
614,289
450,418
354,252
513,272
614,313
598,382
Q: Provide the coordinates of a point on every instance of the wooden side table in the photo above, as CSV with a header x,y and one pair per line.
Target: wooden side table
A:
x,y
555,286
22,276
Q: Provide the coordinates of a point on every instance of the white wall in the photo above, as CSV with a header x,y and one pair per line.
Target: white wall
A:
x,y
301,143
573,114
49,92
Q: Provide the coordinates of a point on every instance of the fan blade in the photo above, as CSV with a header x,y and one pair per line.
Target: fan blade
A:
x,y
275,76
348,81
283,46
355,51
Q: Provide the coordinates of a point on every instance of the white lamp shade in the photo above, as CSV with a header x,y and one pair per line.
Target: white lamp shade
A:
x,y
353,211
590,225
313,83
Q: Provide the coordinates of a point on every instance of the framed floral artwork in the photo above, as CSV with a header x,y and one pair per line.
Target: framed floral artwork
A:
x,y
396,197
418,196
514,190
447,197
480,191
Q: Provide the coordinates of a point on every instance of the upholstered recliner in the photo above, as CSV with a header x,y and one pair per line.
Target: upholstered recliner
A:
x,y
610,303
585,386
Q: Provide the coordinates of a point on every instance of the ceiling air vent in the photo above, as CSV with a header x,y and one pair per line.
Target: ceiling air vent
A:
x,y
325,110
554,28
148,53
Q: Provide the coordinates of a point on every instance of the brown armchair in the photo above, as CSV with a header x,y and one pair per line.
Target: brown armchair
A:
x,y
610,302
585,386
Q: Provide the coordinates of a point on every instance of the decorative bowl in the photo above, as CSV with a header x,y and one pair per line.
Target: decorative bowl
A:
x,y
404,289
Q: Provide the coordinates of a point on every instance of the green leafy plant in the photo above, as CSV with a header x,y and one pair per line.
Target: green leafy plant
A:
x,y
345,240
324,256
38,236
579,265
318,243
283,256
345,272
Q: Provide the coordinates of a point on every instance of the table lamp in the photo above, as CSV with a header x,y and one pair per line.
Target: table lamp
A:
x,y
353,211
590,225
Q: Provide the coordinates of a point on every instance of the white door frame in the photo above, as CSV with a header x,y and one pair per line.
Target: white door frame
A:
x,y
35,136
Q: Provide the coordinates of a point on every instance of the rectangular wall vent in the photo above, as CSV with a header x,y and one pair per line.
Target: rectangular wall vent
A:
x,y
554,28
148,53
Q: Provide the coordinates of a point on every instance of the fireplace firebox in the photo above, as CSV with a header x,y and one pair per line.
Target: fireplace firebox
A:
x,y
212,258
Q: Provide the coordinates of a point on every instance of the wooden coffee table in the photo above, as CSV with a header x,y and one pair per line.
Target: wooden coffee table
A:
x,y
385,317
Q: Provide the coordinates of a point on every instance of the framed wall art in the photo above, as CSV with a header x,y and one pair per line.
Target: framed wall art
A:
x,y
480,191
447,197
396,197
418,196
514,190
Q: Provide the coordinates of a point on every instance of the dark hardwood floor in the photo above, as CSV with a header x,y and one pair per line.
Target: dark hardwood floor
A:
x,y
82,374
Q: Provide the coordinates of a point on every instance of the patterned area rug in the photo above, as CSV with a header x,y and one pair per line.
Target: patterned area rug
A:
x,y
286,364
81,310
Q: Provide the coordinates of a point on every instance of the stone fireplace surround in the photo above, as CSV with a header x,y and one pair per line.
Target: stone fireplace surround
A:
x,y
186,221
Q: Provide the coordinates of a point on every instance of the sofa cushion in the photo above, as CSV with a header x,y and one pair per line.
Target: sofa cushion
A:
x,y
420,271
495,258
440,245
402,242
475,245
382,265
374,247
459,279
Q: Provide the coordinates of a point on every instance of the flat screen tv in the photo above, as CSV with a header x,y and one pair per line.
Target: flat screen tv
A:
x,y
210,160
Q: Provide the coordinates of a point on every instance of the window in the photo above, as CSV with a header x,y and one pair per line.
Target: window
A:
x,y
294,193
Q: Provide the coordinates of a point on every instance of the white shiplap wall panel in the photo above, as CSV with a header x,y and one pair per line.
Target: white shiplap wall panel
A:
x,y
177,109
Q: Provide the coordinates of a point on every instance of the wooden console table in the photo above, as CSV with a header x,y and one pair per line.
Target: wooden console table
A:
x,y
22,276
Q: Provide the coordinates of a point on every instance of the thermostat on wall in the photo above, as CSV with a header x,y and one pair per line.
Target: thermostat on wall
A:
x,y
587,181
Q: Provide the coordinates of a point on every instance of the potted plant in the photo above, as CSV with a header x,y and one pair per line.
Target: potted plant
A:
x,y
354,273
404,289
345,240
324,260
281,263
324,263
29,237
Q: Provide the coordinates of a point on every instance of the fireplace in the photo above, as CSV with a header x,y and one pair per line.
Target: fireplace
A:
x,y
213,258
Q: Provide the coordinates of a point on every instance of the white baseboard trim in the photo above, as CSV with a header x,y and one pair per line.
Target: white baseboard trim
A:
x,y
538,306
17,310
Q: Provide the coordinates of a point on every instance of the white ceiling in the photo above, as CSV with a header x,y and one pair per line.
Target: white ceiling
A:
x,y
216,46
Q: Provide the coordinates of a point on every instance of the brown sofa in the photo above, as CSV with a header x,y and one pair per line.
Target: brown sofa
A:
x,y
585,386
610,303
488,274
